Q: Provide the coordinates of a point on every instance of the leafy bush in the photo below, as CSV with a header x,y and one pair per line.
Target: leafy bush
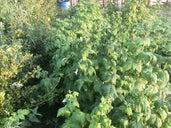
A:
x,y
28,22
24,26
118,56
13,75
98,118
111,67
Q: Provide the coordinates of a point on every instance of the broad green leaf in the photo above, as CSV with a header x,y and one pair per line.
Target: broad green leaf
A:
x,y
83,66
63,112
127,65
124,122
71,124
167,49
159,103
79,117
140,84
23,112
137,66
160,59
146,42
128,111
91,71
107,90
21,117
158,122
152,119
162,114
79,83
95,125
145,57
33,118
149,76
163,77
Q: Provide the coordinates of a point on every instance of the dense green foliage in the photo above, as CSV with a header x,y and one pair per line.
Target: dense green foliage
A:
x,y
97,67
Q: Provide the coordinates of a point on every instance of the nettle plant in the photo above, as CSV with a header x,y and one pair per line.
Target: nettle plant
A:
x,y
117,64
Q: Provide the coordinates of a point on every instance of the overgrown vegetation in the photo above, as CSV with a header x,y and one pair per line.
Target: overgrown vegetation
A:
x,y
97,67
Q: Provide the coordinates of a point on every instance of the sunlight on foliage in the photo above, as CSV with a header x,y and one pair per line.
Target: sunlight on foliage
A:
x,y
91,66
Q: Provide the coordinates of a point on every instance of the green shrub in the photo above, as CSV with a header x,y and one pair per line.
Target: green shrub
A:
x,y
112,67
118,56
12,63
25,26
29,22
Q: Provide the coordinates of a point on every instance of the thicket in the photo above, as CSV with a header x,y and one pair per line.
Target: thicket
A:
x,y
97,67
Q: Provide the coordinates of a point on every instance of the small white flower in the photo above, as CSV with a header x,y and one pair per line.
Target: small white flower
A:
x,y
76,72
64,101
16,85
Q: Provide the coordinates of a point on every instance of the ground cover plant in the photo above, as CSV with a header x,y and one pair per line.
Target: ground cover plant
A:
x,y
94,68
